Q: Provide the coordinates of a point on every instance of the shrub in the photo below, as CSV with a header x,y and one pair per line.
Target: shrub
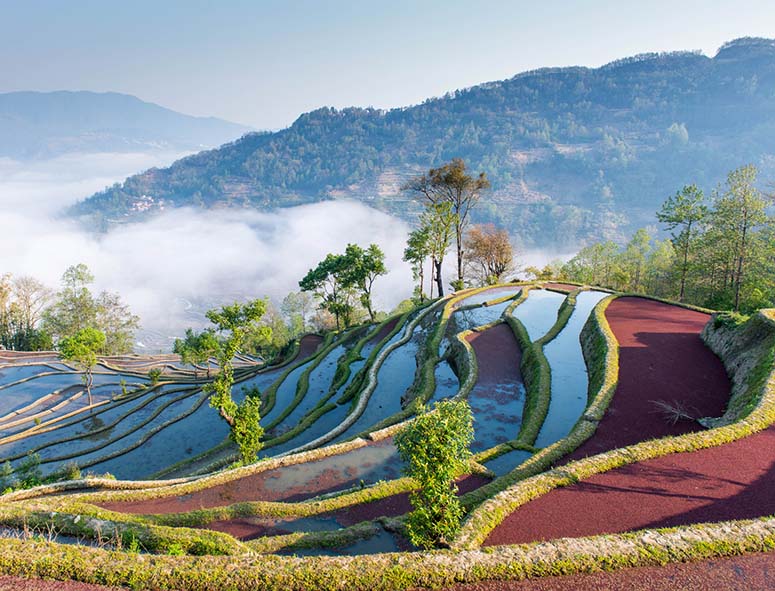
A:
x,y
246,431
71,471
29,472
154,375
130,542
435,447
728,319
6,477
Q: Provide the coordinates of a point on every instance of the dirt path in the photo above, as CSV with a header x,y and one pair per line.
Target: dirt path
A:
x,y
661,353
561,286
661,357
384,331
733,481
308,345
738,573
497,356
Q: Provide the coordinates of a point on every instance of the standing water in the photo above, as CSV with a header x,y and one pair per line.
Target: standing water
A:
x,y
569,373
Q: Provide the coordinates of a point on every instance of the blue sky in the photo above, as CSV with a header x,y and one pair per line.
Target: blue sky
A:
x,y
263,62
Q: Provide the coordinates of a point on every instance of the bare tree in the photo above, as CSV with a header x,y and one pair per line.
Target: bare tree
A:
x,y
31,297
489,253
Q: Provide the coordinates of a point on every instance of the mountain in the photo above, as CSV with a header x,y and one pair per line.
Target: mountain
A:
x,y
35,125
573,153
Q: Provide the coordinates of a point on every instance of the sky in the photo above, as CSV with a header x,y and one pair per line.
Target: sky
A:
x,y
264,62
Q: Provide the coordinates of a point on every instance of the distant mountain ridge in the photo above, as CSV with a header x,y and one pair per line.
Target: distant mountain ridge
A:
x,y
36,125
573,153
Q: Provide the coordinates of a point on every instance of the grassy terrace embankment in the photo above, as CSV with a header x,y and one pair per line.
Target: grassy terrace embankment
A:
x,y
623,337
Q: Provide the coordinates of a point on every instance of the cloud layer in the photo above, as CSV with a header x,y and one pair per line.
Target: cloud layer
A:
x,y
177,265
174,266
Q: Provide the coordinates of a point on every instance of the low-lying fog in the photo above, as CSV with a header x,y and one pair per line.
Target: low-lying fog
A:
x,y
173,267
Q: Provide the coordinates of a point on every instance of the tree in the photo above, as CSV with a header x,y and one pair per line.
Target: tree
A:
x,y
595,264
683,213
297,307
268,344
6,323
438,220
416,251
247,431
659,268
450,184
233,322
75,308
82,349
31,296
739,211
330,281
116,320
197,348
634,257
435,447
363,268
489,252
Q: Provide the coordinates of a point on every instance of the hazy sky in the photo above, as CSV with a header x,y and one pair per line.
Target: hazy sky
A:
x,y
263,62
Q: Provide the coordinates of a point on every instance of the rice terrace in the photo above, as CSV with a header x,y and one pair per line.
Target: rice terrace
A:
x,y
578,465
387,296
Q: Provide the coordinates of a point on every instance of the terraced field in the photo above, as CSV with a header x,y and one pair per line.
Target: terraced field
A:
x,y
599,419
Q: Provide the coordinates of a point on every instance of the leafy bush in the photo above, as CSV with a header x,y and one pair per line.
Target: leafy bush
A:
x,y
247,431
28,472
154,375
728,319
435,447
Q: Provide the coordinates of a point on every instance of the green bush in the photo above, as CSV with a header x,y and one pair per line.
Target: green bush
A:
x,y
28,472
435,447
154,375
246,431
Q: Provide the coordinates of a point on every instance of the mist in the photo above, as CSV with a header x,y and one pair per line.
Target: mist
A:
x,y
173,267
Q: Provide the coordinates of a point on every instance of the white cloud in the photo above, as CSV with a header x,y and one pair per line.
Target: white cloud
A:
x,y
171,268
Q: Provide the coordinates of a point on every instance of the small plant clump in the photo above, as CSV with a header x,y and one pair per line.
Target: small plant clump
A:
x,y
154,375
673,412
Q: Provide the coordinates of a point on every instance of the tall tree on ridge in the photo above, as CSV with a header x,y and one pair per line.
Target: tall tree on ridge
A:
x,y
739,211
450,184
489,251
684,211
439,221
416,251
364,266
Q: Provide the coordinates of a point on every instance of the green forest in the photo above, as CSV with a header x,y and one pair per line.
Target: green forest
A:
x,y
720,254
572,154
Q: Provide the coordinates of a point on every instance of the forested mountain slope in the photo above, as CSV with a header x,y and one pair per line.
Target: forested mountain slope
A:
x,y
573,153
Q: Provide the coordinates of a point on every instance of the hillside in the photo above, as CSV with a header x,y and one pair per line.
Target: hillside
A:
x,y
573,153
35,125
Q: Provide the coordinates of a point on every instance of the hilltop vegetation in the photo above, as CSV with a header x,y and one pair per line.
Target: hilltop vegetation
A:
x,y
571,153
720,253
